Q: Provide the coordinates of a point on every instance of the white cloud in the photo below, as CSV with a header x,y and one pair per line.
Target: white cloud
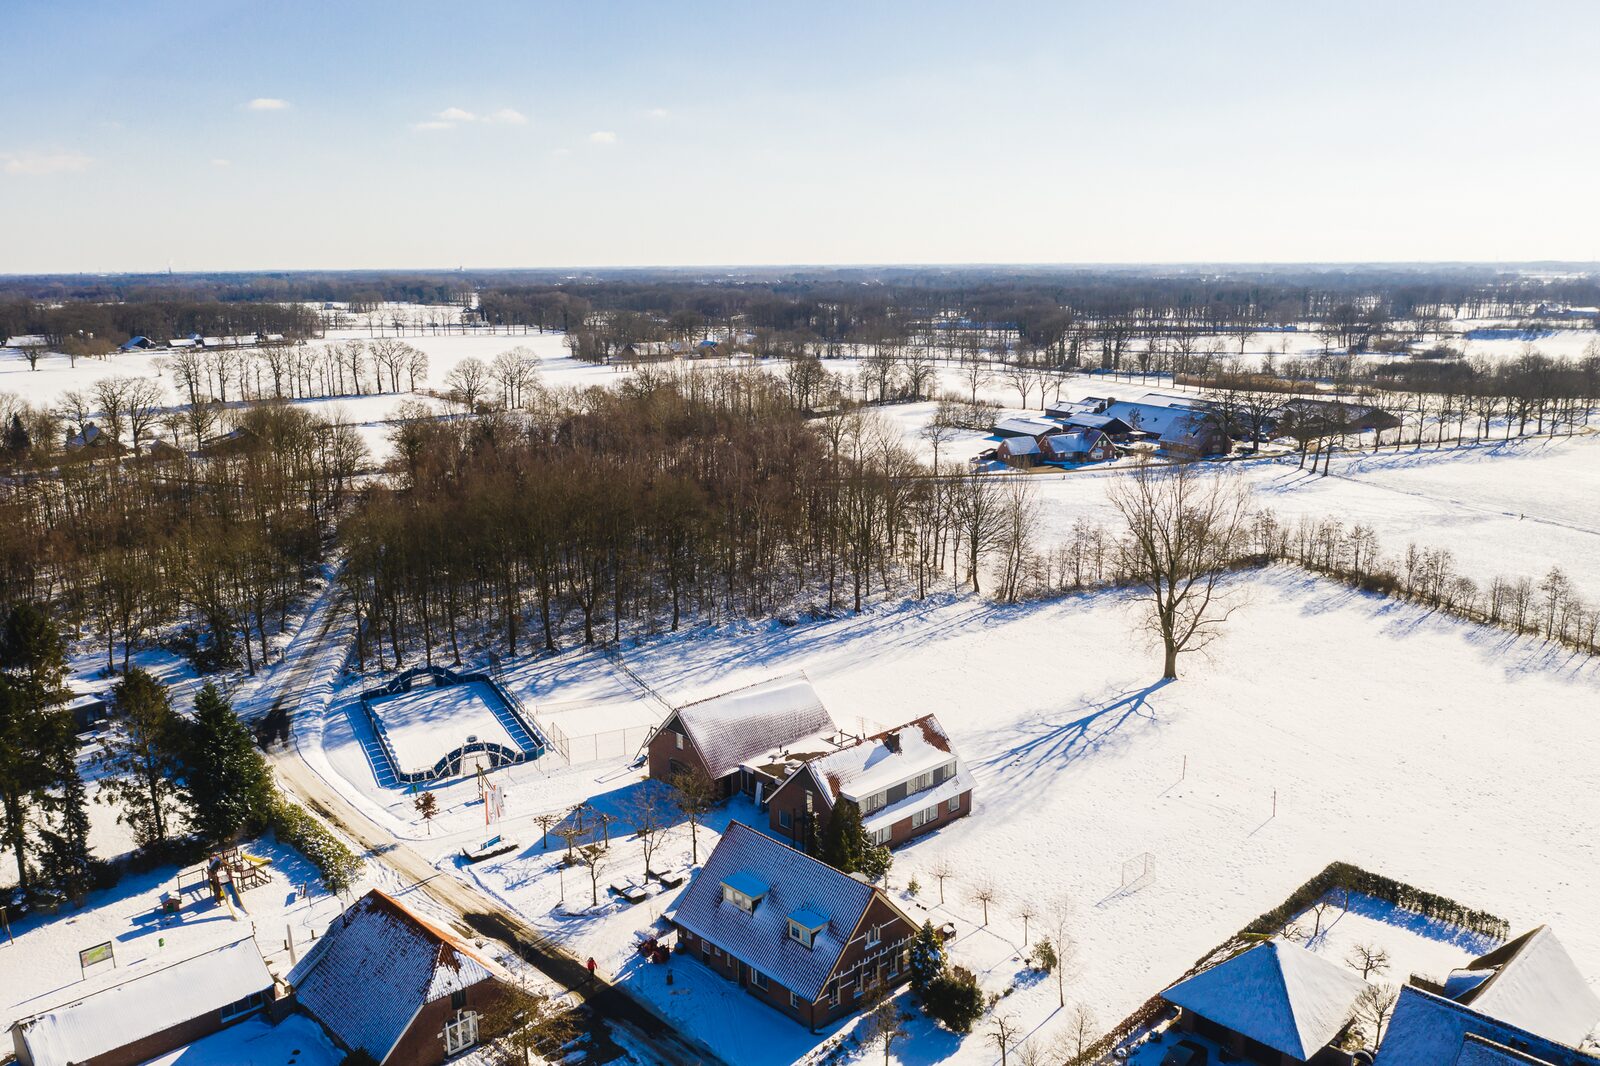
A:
x,y
222,162
35,164
456,114
602,137
451,117
268,103
510,116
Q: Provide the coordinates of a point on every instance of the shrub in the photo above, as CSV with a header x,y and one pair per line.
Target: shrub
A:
x,y
1044,955
927,958
338,865
954,1000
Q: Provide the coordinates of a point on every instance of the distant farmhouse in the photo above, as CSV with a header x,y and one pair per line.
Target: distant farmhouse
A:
x,y
1095,428
791,930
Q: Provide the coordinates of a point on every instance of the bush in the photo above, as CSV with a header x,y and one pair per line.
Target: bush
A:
x,y
338,865
1043,955
927,958
954,1000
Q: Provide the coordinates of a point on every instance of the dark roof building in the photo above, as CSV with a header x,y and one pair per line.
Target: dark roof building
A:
x,y
793,931
387,981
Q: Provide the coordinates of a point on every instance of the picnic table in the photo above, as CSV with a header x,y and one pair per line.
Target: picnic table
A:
x,y
630,889
672,878
495,845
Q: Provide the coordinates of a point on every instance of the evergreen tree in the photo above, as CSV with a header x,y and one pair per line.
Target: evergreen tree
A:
x,y
65,863
226,781
34,730
876,859
144,760
844,841
18,439
954,999
927,958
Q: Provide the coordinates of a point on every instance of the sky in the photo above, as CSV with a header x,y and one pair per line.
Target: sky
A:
x,y
218,135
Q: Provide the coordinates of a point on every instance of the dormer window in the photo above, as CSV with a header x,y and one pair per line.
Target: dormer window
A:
x,y
744,891
805,924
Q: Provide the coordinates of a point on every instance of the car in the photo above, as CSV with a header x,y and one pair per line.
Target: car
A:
x,y
1185,1053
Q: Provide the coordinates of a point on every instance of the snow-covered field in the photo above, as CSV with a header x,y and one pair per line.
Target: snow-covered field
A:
x,y
1326,725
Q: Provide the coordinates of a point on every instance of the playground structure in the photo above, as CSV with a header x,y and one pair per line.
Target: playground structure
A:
x,y
469,720
225,876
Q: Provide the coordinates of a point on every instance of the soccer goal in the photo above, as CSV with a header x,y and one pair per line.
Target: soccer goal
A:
x,y
1137,870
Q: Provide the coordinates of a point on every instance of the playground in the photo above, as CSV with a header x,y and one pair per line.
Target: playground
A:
x,y
430,724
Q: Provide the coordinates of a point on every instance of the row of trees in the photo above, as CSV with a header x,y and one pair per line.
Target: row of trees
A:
x,y
220,544
283,370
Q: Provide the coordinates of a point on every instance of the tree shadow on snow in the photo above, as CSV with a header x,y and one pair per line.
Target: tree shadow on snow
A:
x,y
1057,744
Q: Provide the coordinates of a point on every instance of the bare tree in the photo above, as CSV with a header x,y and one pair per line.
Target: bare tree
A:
x,y
1059,922
1376,1005
593,858
468,381
885,1026
696,795
1183,526
1368,960
648,813
1003,1034
984,894
1081,1025
939,870
938,433
546,821
1027,912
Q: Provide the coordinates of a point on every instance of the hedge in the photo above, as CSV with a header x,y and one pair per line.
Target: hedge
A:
x,y
294,826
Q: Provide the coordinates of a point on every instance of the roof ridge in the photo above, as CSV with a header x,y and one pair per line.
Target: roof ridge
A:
x,y
792,675
809,858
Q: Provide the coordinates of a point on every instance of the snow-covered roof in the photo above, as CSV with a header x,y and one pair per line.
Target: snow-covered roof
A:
x,y
1281,995
761,939
145,1005
1530,982
1073,440
950,788
878,762
1021,445
379,964
1027,427
1167,420
1091,421
1429,1030
729,729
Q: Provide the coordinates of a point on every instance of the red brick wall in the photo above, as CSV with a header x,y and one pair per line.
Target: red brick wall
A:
x,y
423,1044
901,831
664,751
792,799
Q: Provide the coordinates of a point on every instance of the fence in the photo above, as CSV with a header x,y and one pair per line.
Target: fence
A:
x,y
595,747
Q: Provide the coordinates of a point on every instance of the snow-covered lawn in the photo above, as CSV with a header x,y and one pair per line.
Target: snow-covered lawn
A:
x,y
1325,725
295,1041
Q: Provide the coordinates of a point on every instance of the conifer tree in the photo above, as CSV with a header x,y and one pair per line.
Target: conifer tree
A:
x,y
144,760
65,863
34,728
844,841
226,781
927,958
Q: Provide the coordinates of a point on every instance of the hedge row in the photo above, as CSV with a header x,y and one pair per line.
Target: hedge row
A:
x,y
296,827
1343,877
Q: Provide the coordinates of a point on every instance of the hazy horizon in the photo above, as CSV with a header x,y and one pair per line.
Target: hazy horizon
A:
x,y
230,137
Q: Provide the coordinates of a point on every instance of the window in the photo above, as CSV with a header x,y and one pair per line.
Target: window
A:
x,y
881,836
786,819
835,995
705,949
758,979
461,1033
794,1001
922,782
458,999
739,899
677,738
874,802
923,817
955,804
874,935
240,1007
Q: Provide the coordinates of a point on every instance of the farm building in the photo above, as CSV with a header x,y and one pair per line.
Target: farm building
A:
x,y
1328,417
791,930
1182,427
1113,427
149,1014
748,740
1025,427
1019,452
1078,446
906,781
386,981
1526,995
1275,1004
